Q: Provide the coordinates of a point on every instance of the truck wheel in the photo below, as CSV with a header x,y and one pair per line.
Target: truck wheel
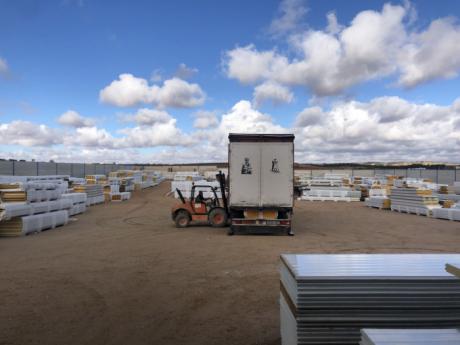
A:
x,y
218,218
182,219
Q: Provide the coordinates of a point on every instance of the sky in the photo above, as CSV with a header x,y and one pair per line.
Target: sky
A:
x,y
166,81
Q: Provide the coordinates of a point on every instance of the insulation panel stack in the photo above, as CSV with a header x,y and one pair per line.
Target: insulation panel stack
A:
x,y
451,213
413,200
328,299
380,202
13,210
20,226
330,194
94,193
186,188
96,179
78,201
410,336
457,188
32,205
122,196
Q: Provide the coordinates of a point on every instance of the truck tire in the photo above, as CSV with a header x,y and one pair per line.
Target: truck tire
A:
x,y
218,218
182,219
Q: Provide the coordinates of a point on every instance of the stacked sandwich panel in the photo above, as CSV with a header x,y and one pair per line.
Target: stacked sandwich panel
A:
x,y
330,193
20,209
78,201
187,176
328,299
413,200
452,213
186,188
96,179
94,193
122,196
125,180
32,206
450,196
381,202
35,223
410,336
457,188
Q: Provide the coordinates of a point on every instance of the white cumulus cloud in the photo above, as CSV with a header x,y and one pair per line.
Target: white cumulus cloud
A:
x,y
290,15
272,91
25,133
205,119
72,118
376,44
128,91
185,72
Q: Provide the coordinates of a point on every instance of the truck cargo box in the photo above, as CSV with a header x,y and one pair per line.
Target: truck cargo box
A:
x,y
261,170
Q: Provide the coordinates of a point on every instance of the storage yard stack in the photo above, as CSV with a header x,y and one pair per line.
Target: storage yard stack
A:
x,y
78,202
410,336
121,179
450,213
186,187
328,299
94,193
378,198
185,180
413,200
334,187
96,179
28,207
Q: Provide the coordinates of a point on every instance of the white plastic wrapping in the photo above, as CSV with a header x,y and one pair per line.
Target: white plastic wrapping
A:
x,y
93,200
76,198
120,196
77,209
44,221
11,210
43,195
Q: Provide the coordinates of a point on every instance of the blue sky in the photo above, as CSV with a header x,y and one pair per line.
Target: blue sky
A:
x,y
57,58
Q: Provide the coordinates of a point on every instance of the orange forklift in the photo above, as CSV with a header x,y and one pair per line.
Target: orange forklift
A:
x,y
212,210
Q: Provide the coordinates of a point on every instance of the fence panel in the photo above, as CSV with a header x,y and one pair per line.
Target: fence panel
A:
x,y
46,168
6,168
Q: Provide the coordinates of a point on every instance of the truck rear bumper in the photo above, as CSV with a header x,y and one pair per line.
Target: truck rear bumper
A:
x,y
261,226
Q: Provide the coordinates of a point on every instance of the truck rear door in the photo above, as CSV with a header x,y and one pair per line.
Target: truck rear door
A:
x,y
277,174
245,174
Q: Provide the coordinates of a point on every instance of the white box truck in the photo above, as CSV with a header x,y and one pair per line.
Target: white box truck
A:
x,y
261,182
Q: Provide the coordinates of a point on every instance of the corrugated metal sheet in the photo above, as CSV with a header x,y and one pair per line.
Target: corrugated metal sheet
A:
x,y
410,336
353,266
331,297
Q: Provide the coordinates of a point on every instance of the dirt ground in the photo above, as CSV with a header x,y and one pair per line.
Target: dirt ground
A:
x,y
123,274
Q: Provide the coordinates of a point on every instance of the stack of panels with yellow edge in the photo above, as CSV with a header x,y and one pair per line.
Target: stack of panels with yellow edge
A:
x,y
94,193
122,196
78,202
413,200
380,202
20,226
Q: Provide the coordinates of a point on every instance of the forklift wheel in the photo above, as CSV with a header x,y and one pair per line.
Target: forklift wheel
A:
x,y
218,218
230,232
182,219
290,232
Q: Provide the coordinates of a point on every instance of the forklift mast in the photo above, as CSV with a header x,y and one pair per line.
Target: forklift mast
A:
x,y
221,178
